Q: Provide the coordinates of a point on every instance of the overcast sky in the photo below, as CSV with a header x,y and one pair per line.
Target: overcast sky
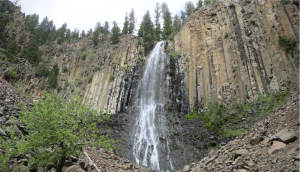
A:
x,y
84,14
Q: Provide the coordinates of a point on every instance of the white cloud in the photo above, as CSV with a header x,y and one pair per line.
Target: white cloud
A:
x,y
85,14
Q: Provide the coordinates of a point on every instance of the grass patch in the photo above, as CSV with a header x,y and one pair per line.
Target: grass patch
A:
x,y
112,77
65,69
90,78
225,35
115,47
83,55
251,21
228,121
91,56
96,68
288,43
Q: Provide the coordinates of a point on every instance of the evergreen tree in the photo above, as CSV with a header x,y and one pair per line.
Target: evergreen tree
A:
x,y
106,28
99,27
82,34
61,32
32,53
131,21
182,16
167,21
115,33
125,27
68,35
189,8
75,34
52,81
6,9
32,21
176,24
146,31
157,23
207,2
199,4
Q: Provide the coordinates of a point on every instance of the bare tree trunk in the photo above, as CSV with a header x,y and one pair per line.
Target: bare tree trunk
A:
x,y
60,164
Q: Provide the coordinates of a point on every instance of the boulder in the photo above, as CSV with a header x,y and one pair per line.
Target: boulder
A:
x,y
284,135
265,141
2,132
74,168
255,140
276,146
240,152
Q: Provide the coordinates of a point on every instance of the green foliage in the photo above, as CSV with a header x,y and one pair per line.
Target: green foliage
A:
x,y
67,83
6,10
288,43
115,47
248,1
95,37
9,144
11,73
32,53
146,31
189,8
227,121
90,78
225,35
207,2
59,87
96,68
65,69
91,56
251,21
112,77
167,28
250,12
64,128
115,33
42,70
72,88
83,48
125,26
106,44
78,82
83,55
52,81
171,38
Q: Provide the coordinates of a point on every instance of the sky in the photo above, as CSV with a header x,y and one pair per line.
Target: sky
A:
x,y
84,14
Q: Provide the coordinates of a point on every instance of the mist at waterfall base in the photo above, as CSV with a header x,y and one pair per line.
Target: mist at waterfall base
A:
x,y
150,122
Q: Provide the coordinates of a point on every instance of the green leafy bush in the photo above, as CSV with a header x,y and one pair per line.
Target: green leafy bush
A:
x,y
32,53
53,76
115,47
59,87
96,68
67,83
90,78
91,56
226,121
83,55
251,21
63,127
42,70
83,48
112,77
78,82
11,73
248,1
225,35
288,43
171,38
65,69
72,88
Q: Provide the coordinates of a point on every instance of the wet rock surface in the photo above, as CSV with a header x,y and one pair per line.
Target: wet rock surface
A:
x,y
267,154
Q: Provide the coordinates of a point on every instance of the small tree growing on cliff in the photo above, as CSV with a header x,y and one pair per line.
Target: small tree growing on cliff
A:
x,y
57,130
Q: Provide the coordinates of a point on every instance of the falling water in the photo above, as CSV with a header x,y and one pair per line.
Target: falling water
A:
x,y
150,123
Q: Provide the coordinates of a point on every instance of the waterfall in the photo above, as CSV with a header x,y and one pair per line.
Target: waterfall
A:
x,y
149,131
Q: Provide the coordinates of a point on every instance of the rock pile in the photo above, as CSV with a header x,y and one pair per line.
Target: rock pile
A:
x,y
271,145
105,161
9,109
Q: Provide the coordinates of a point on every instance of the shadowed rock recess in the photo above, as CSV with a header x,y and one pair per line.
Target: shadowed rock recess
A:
x,y
228,51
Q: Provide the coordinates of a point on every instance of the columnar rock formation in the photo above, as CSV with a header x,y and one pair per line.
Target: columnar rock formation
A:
x,y
231,50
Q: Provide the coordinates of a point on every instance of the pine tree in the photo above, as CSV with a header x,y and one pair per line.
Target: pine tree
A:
x,y
32,21
99,27
106,28
207,2
125,27
167,21
199,4
182,16
176,24
157,23
68,35
115,33
146,31
131,21
82,34
189,8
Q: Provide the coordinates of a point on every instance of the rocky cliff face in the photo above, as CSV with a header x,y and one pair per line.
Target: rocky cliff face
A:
x,y
231,50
